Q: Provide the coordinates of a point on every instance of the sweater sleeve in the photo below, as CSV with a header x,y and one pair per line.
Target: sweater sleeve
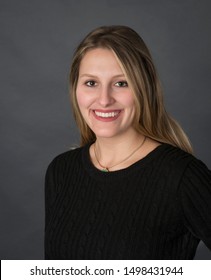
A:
x,y
195,194
49,191
53,181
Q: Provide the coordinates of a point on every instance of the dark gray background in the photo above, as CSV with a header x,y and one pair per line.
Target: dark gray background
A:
x,y
37,42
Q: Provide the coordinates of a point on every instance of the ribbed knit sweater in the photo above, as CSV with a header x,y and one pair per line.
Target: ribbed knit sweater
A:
x,y
157,208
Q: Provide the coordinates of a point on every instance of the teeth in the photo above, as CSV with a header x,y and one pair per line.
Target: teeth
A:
x,y
106,115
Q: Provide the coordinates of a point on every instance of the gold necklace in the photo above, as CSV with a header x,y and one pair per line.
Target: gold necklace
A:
x,y
107,169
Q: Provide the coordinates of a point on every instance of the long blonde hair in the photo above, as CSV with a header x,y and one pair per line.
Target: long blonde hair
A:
x,y
151,118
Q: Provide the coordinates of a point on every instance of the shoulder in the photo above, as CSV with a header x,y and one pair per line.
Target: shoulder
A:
x,y
178,156
197,173
193,171
172,156
67,160
175,152
172,160
68,155
63,167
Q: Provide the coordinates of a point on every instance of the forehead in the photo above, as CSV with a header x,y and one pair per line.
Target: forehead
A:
x,y
99,60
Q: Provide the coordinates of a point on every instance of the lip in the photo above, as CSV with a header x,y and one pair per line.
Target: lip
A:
x,y
106,119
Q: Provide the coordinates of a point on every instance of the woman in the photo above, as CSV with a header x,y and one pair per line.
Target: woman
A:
x,y
133,190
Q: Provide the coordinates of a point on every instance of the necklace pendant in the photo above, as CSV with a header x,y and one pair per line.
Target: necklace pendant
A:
x,y
105,169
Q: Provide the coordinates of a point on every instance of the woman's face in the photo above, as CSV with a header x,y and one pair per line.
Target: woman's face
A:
x,y
105,100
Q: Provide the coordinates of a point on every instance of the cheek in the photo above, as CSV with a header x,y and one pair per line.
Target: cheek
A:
x,y
79,99
129,101
82,99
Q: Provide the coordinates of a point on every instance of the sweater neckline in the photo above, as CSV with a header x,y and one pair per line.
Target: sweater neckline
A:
x,y
119,174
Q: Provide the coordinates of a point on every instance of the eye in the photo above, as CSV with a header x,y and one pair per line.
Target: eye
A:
x,y
90,83
121,84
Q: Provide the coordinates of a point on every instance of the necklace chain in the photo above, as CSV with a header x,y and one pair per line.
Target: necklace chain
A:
x,y
107,169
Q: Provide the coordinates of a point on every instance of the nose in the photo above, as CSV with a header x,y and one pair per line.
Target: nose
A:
x,y
105,98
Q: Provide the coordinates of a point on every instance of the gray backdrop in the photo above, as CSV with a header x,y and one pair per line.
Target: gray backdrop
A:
x,y
37,41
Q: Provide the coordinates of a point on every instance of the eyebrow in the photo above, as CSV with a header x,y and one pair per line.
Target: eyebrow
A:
x,y
94,76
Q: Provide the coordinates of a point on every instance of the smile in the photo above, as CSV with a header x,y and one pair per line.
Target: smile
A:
x,y
107,116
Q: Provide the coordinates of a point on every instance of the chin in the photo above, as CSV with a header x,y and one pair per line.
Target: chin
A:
x,y
110,133
105,134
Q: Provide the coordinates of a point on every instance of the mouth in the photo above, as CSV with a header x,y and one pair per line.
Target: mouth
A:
x,y
106,115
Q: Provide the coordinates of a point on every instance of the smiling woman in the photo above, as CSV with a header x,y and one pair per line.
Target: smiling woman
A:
x,y
104,98
153,198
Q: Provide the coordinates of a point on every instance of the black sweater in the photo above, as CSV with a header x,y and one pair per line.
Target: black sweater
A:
x,y
158,208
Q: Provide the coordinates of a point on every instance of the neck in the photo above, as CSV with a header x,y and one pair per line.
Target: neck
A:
x,y
111,151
